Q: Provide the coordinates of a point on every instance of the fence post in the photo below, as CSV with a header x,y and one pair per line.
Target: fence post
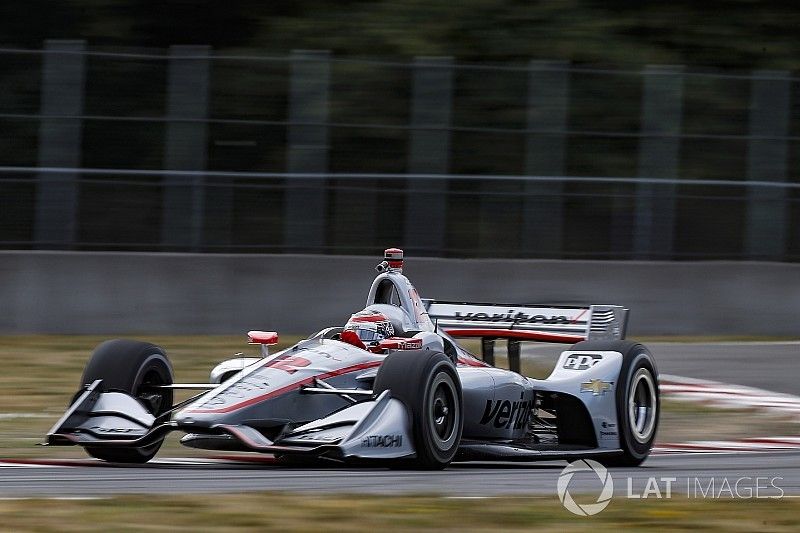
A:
x,y
767,210
543,205
431,110
183,212
306,198
60,136
659,146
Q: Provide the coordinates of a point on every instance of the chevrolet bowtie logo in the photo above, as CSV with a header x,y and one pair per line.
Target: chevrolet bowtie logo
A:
x,y
596,387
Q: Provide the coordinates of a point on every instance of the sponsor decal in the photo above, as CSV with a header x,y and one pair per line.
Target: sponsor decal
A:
x,y
608,431
288,363
317,438
382,441
582,361
597,387
506,413
100,429
395,343
517,317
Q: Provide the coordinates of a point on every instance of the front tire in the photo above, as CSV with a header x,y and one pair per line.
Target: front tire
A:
x,y
428,384
132,367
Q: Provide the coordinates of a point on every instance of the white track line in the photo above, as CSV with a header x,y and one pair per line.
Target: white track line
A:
x,y
22,465
13,416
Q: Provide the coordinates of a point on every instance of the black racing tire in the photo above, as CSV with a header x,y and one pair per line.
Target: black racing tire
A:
x,y
427,383
130,366
638,400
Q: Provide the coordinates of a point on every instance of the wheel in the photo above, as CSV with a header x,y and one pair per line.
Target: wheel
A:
x,y
637,400
428,384
132,367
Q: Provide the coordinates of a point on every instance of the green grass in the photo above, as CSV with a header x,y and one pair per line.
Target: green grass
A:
x,y
42,372
684,421
280,512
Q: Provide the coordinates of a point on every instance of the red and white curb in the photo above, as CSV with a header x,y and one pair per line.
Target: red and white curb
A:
x,y
726,396
756,444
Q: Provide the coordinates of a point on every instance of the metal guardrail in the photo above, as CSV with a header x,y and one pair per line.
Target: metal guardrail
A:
x,y
632,180
450,129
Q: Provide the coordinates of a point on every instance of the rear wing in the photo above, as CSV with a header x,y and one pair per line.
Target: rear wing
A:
x,y
545,323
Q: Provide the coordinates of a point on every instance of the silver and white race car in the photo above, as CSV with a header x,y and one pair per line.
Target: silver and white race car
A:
x,y
390,387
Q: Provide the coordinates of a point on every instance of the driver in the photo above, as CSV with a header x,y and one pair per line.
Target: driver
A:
x,y
366,329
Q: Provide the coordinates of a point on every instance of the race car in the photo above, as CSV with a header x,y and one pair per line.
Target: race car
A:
x,y
392,386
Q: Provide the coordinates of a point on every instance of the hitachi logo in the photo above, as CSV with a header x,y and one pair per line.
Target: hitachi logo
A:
x,y
516,318
507,414
382,441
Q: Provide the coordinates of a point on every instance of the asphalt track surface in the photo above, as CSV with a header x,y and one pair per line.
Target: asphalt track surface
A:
x,y
771,366
459,480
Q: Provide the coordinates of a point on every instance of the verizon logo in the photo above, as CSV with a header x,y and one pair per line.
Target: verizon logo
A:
x,y
517,317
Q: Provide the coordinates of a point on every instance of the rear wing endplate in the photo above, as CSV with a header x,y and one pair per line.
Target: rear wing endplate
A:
x,y
544,323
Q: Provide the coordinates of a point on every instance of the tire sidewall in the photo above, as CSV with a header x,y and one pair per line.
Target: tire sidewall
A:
x,y
441,371
636,358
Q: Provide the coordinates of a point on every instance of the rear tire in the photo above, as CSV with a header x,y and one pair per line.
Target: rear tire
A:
x,y
637,400
130,367
428,384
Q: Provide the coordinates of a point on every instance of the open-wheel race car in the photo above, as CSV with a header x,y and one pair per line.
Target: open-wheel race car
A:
x,y
392,386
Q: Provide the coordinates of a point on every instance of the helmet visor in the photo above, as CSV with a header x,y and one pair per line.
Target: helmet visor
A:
x,y
366,334
371,331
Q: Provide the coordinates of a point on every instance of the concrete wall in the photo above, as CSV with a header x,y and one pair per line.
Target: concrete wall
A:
x,y
128,293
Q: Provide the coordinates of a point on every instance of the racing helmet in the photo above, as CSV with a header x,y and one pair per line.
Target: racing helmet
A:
x,y
370,326
396,315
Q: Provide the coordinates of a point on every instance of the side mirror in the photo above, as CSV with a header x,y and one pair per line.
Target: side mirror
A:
x,y
263,338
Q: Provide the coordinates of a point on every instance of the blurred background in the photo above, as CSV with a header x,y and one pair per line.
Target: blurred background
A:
x,y
503,129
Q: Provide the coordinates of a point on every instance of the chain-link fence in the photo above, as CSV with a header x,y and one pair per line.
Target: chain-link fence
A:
x,y
190,150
